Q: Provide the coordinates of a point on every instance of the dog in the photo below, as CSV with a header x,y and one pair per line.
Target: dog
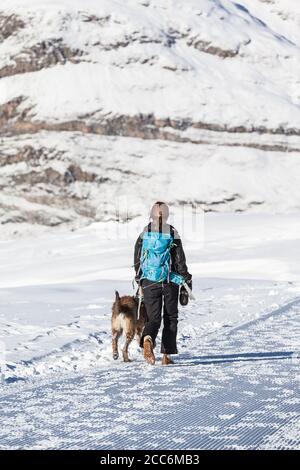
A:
x,y
124,321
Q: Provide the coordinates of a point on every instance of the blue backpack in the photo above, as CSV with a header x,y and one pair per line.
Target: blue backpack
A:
x,y
155,261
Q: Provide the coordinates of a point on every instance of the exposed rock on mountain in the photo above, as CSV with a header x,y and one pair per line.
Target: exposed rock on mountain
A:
x,y
215,88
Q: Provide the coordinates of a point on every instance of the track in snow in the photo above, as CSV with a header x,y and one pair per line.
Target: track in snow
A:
x,y
239,390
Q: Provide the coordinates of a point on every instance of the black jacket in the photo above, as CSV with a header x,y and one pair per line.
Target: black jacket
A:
x,y
178,262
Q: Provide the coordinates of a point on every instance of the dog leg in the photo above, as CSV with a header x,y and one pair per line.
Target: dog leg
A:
x,y
129,338
140,324
138,332
138,336
115,337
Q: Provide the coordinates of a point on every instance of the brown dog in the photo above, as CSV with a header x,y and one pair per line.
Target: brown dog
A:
x,y
124,320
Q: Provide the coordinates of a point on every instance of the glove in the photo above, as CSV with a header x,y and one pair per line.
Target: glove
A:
x,y
183,296
190,283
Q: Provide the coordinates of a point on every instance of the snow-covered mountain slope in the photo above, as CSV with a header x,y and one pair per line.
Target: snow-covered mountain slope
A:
x,y
216,80
64,177
283,15
105,59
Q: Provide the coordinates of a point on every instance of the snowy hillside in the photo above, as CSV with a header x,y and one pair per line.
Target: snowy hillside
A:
x,y
86,84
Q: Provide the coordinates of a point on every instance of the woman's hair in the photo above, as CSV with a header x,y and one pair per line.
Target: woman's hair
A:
x,y
159,211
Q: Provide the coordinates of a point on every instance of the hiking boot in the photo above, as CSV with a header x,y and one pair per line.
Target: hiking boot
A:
x,y
148,350
166,360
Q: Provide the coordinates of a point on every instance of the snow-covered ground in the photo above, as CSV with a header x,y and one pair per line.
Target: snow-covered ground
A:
x,y
236,380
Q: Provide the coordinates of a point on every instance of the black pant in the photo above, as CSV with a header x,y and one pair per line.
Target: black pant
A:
x,y
157,295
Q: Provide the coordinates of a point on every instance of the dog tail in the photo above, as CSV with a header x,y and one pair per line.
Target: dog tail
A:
x,y
117,301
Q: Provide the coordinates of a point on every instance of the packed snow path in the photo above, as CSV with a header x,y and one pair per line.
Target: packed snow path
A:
x,y
234,390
